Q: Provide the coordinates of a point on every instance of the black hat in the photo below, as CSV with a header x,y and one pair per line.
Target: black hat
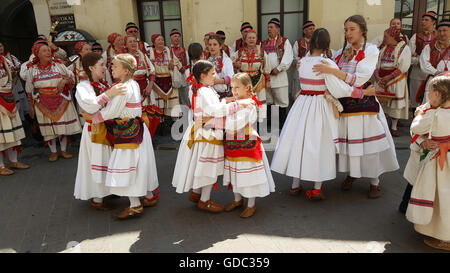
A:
x,y
433,15
246,25
443,23
221,34
307,24
131,25
275,21
175,31
97,46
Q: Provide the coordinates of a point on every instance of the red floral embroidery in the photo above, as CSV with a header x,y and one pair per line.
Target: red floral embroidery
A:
x,y
101,86
361,55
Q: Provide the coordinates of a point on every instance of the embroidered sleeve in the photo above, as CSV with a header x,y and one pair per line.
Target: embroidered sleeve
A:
x,y
350,79
357,93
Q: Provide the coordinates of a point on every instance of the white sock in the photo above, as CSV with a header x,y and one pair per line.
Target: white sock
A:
x,y
237,197
251,202
52,145
394,123
63,142
2,164
197,191
97,200
12,155
295,182
134,202
317,185
206,193
374,181
149,195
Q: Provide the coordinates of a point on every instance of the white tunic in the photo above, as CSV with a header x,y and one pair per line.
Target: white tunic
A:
x,y
416,75
130,172
93,158
201,164
249,179
429,207
429,69
226,72
366,147
280,80
307,146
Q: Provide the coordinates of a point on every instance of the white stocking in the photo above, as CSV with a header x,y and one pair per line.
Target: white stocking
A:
x,y
374,181
237,197
295,182
134,202
12,155
97,200
1,161
206,193
251,202
52,145
63,142
318,185
394,123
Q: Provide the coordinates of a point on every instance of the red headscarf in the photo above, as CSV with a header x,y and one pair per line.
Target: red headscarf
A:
x,y
154,37
112,37
79,46
395,33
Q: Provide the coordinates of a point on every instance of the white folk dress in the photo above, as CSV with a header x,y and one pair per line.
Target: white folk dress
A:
x,y
395,60
366,147
93,158
11,129
307,146
55,111
429,206
130,172
224,70
253,63
200,158
248,177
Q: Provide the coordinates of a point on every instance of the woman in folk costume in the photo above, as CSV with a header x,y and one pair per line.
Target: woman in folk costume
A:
x,y
366,148
239,43
394,23
131,170
48,88
200,158
92,94
247,169
145,77
429,206
417,44
308,145
391,77
223,65
116,46
251,59
165,96
11,130
17,87
435,57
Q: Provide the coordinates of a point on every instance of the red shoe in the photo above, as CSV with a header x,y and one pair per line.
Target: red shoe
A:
x,y
315,195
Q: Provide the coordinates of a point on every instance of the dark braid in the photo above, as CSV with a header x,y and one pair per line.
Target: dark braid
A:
x,y
89,60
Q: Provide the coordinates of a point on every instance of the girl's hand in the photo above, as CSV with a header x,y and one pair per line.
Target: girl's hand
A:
x,y
86,115
229,99
219,81
430,144
249,103
116,90
324,68
148,89
369,91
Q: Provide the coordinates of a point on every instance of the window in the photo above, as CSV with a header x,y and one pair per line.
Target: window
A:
x,y
159,16
411,12
292,15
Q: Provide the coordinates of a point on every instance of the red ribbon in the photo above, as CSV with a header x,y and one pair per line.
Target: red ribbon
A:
x,y
216,187
257,101
415,137
310,193
195,86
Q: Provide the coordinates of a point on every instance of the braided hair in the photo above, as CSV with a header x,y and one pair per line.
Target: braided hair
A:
x,y
361,22
320,40
89,60
195,51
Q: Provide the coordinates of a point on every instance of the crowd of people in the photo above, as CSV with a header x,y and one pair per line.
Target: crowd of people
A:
x,y
119,98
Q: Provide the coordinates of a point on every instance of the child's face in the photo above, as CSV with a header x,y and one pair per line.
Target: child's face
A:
x,y
118,71
239,90
435,98
208,79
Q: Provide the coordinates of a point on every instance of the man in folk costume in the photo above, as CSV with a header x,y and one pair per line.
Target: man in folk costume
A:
x,y
239,43
97,48
225,48
48,88
132,29
279,58
57,52
116,46
11,130
17,87
391,77
165,95
435,57
252,59
417,44
181,53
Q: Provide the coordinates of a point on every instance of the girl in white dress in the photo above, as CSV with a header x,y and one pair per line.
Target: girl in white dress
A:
x,y
247,169
429,206
93,158
366,148
131,169
307,146
223,64
201,155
